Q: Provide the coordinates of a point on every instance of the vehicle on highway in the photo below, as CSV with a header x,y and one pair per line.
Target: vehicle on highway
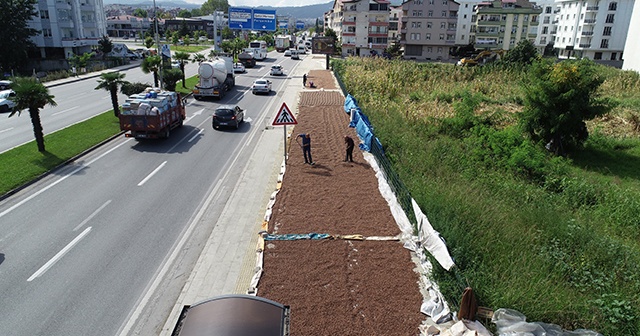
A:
x,y
295,55
302,49
152,114
287,52
202,39
276,70
6,103
239,67
227,115
261,86
5,85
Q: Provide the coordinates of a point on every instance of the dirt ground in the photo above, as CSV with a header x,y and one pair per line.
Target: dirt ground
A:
x,y
337,286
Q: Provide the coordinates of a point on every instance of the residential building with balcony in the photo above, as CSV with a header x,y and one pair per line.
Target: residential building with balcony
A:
x,y
362,27
428,29
592,29
66,27
128,26
501,24
394,24
465,13
547,25
631,61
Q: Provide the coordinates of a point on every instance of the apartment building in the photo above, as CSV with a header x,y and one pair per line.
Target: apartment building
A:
x,y
501,24
428,29
395,13
631,49
128,26
362,26
547,26
465,13
592,29
67,27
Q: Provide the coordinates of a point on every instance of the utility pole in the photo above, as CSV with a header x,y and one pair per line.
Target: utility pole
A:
x,y
158,52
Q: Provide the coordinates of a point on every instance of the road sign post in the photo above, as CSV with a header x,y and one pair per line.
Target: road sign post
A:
x,y
284,118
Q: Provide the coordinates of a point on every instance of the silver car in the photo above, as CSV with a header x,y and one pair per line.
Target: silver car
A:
x,y
261,86
6,103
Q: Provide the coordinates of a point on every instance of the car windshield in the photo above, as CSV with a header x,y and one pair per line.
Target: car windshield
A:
x,y
4,94
224,112
261,82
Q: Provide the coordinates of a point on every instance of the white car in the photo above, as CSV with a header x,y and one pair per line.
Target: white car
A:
x,y
6,104
261,86
239,68
295,55
287,52
5,85
175,64
276,70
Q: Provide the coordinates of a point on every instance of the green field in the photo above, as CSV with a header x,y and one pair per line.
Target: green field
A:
x,y
554,238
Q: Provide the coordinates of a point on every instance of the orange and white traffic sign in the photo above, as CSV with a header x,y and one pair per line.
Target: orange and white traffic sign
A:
x,y
284,117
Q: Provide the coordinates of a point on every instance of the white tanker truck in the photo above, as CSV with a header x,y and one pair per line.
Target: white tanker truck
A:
x,y
215,78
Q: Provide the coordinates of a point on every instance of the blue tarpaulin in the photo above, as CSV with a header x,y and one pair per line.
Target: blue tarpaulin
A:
x,y
292,236
350,103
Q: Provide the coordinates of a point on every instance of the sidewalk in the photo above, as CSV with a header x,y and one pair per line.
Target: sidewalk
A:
x,y
88,75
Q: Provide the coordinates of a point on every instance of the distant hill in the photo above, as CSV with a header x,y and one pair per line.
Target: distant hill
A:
x,y
301,12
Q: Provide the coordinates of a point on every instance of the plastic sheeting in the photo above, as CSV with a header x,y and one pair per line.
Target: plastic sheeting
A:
x,y
297,236
350,103
511,322
431,240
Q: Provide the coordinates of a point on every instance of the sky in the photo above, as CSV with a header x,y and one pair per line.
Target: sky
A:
x,y
273,3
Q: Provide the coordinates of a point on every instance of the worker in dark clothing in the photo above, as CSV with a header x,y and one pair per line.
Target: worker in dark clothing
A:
x,y
350,144
306,147
304,80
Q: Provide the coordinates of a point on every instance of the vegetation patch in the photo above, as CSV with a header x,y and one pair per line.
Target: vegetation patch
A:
x,y
553,236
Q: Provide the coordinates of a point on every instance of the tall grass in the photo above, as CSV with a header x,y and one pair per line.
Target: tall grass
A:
x,y
555,238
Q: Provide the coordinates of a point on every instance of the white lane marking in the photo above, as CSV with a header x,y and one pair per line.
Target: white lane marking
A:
x,y
193,115
60,180
152,173
6,130
196,135
91,216
58,256
67,110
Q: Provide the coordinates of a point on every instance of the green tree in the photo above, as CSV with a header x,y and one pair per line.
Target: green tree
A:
x,y
559,100
15,37
149,42
523,53
234,46
184,30
133,88
32,96
105,45
152,64
182,58
330,33
111,81
170,77
196,12
214,5
227,33
184,13
175,38
139,12
186,39
198,58
79,61
549,50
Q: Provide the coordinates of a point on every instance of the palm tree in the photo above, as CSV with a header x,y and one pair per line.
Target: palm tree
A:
x,y
152,64
199,58
32,95
183,58
110,81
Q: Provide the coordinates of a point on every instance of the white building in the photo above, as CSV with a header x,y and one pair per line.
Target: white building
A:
x,y
465,13
68,27
547,24
632,47
592,29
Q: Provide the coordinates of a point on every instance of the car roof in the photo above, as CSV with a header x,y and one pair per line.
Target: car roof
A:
x,y
261,81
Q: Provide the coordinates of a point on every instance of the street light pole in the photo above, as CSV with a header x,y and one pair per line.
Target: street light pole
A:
x,y
158,53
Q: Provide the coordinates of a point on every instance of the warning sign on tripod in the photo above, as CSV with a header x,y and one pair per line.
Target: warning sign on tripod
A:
x,y
284,117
